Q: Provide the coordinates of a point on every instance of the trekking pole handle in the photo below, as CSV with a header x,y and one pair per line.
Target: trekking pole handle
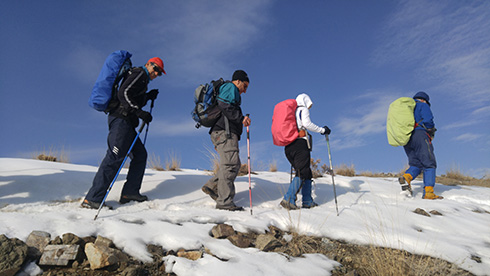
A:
x,y
142,126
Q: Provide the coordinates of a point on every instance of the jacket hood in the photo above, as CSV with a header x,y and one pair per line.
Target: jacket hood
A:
x,y
304,100
422,95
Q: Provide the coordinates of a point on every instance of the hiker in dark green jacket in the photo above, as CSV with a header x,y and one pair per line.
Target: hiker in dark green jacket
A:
x,y
225,135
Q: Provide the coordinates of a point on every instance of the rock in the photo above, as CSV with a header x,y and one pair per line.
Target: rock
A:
x,y
191,255
13,253
71,239
276,232
266,242
134,271
36,242
59,254
100,256
435,213
421,212
102,241
222,231
328,245
56,240
240,240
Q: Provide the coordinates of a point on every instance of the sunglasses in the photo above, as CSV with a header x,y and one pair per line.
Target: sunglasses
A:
x,y
157,69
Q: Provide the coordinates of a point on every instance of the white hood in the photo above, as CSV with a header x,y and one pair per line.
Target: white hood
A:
x,y
304,100
303,114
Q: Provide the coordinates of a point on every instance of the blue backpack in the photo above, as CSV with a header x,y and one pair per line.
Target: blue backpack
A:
x,y
206,111
114,70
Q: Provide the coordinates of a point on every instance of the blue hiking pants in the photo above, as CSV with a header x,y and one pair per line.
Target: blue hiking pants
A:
x,y
121,136
420,153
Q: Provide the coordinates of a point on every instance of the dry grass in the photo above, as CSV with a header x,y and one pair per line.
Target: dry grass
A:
x,y
213,160
454,176
345,170
173,162
53,155
243,170
154,162
273,166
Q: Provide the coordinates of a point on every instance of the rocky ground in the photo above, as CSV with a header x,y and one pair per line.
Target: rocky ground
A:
x,y
70,255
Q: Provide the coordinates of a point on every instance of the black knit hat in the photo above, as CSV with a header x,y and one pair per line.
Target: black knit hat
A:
x,y
240,75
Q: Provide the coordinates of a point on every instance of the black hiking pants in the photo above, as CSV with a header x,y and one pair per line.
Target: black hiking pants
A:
x,y
121,136
299,157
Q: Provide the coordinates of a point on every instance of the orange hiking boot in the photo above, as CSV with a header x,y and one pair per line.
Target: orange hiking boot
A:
x,y
404,181
429,193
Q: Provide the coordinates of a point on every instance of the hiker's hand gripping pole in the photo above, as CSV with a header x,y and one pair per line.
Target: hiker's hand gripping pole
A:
x,y
331,170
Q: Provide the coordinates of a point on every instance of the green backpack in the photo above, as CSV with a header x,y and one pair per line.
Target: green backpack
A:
x,y
400,121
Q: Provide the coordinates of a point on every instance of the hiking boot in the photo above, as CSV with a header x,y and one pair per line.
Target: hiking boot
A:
x,y
209,192
127,198
288,205
404,181
232,208
429,193
93,205
308,206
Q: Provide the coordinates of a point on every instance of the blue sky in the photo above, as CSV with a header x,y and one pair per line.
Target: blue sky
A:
x,y
352,57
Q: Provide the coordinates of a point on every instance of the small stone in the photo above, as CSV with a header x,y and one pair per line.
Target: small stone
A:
x,y
421,212
435,213
191,255
59,255
222,231
240,240
266,242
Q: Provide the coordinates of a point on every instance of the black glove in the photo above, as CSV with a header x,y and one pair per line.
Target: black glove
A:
x,y
152,94
143,115
327,130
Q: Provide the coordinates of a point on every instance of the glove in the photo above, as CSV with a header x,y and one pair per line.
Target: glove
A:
x,y
143,115
327,130
152,94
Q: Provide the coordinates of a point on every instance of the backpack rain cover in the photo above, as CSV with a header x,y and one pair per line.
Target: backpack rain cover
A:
x,y
113,70
284,129
400,121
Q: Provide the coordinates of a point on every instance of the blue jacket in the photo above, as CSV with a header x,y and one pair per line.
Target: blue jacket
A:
x,y
423,115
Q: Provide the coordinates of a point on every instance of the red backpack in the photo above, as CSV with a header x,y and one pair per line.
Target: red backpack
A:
x,y
284,129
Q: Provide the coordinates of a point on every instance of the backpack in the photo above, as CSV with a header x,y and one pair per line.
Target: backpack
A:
x,y
400,121
114,70
284,129
206,111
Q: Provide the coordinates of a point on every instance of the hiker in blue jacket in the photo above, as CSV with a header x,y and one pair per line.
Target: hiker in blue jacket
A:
x,y
225,135
419,149
124,115
298,154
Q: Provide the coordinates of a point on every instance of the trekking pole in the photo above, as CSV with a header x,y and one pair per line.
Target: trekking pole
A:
x,y
147,128
248,165
331,171
117,174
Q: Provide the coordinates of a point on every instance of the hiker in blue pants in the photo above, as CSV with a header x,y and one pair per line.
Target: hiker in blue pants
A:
x,y
419,150
298,154
123,119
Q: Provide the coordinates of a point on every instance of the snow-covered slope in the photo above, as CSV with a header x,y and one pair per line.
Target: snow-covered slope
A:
x,y
39,195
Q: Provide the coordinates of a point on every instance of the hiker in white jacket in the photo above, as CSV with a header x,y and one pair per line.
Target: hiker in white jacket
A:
x,y
298,154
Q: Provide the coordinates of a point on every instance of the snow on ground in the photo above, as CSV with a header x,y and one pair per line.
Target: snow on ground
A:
x,y
40,195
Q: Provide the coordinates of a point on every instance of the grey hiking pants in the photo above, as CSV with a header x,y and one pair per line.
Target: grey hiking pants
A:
x,y
229,165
